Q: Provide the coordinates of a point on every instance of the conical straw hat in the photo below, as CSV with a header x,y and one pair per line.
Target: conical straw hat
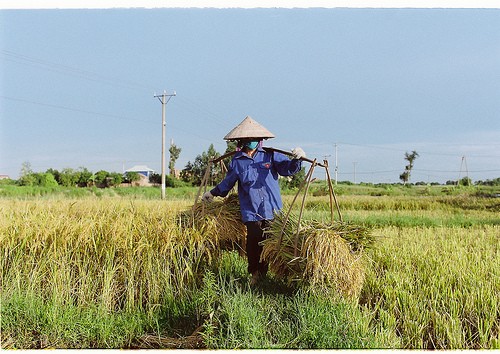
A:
x,y
248,128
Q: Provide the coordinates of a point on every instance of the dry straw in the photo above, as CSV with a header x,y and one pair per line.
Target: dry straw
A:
x,y
219,221
329,257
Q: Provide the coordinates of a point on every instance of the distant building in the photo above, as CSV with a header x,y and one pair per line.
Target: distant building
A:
x,y
142,170
4,177
144,173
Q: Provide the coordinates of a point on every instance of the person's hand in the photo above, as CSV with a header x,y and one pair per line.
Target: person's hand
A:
x,y
298,153
207,197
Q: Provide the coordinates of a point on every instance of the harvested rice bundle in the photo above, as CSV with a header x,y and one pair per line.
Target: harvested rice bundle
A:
x,y
220,221
325,258
330,261
358,237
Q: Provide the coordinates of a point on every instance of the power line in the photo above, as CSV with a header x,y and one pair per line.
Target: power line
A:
x,y
96,77
413,170
420,152
69,70
212,116
174,127
73,109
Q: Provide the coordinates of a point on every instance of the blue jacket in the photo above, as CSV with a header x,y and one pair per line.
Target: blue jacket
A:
x,y
257,177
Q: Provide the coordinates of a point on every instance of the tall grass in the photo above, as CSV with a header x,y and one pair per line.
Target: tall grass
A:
x,y
109,272
437,288
108,256
120,255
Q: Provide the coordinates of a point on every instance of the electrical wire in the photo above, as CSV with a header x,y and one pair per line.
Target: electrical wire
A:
x,y
69,70
74,109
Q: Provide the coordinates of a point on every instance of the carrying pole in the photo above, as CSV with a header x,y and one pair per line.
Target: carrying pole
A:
x,y
309,180
287,216
332,193
203,186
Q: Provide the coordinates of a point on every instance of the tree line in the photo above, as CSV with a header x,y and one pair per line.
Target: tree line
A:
x,y
191,174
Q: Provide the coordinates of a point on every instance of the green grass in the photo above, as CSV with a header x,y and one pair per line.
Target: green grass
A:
x,y
437,287
148,193
278,316
410,211
32,322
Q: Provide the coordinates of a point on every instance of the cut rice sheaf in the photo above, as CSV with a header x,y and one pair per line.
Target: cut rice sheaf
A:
x,y
328,256
220,221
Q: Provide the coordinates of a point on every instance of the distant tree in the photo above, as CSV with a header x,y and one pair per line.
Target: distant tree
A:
x,y
26,177
174,155
187,172
114,179
296,179
405,176
45,179
27,180
132,177
155,178
100,178
194,172
54,173
169,181
231,146
8,181
466,181
68,177
85,177
490,182
42,179
25,169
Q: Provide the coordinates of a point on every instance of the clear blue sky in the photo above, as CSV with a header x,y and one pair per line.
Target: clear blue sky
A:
x,y
77,87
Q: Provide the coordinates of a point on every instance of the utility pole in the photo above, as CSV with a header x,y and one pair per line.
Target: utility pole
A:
x,y
326,173
336,165
164,100
354,163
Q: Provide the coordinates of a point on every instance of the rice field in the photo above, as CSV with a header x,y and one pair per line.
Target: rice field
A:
x,y
121,272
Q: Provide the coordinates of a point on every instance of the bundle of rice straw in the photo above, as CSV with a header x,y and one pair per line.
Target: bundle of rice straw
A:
x,y
220,221
329,256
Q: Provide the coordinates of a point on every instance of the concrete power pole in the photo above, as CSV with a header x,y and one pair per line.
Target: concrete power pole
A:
x,y
164,100
326,173
336,165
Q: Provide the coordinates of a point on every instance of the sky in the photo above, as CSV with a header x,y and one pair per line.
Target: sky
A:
x,y
357,86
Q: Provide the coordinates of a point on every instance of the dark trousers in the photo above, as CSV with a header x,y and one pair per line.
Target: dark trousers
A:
x,y
255,234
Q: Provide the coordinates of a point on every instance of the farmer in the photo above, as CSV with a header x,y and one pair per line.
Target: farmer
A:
x,y
256,171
